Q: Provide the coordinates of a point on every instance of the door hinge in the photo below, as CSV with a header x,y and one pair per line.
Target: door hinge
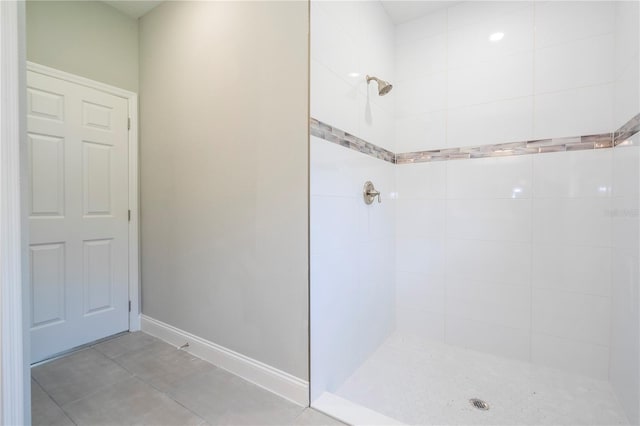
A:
x,y
129,215
129,305
128,123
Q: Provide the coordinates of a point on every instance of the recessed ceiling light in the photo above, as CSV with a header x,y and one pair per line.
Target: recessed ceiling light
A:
x,y
354,74
496,36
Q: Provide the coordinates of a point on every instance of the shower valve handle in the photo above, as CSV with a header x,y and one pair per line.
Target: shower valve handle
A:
x,y
375,194
370,193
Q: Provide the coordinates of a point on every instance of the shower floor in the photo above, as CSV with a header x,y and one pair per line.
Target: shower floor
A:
x,y
430,383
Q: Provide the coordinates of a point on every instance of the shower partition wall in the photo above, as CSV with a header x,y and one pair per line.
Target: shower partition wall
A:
x,y
502,263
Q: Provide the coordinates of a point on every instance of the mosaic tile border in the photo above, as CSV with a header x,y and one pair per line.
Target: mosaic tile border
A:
x,y
340,137
630,128
619,138
604,140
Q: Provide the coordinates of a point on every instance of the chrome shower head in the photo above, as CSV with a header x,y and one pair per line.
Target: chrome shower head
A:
x,y
384,87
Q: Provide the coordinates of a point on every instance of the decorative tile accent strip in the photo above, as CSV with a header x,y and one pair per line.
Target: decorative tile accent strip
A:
x,y
623,134
621,137
509,149
337,136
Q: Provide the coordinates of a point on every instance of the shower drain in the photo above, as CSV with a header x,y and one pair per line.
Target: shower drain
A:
x,y
479,404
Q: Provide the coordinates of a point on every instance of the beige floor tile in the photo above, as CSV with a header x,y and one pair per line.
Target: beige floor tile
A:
x,y
131,402
162,365
224,399
44,411
124,344
77,375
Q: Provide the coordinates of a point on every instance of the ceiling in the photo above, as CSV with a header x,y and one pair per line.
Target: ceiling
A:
x,y
135,9
401,11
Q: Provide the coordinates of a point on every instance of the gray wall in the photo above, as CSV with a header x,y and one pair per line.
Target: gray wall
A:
x,y
224,175
86,38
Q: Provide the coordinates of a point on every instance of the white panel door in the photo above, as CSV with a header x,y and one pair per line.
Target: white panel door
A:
x,y
78,214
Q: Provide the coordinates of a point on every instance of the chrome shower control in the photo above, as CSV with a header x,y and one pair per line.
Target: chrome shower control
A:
x,y
369,193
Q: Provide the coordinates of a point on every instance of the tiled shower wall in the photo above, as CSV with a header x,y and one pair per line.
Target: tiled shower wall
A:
x,y
513,256
550,76
352,244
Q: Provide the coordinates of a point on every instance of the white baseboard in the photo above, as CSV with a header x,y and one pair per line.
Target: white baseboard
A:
x,y
283,384
350,412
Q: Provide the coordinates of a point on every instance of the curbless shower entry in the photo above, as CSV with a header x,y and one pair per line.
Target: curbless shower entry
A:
x,y
497,280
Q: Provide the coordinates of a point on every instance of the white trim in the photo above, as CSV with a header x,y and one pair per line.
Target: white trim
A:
x,y
263,375
12,395
350,412
72,78
134,238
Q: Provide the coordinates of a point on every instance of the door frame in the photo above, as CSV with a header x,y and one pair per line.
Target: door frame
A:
x,y
15,404
134,236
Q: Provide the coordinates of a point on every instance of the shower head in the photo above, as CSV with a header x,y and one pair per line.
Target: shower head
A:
x,y
384,87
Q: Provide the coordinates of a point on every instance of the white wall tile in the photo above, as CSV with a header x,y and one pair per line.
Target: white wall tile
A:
x,y
345,13
569,315
335,224
376,41
421,132
332,46
339,171
625,331
626,173
584,221
506,177
421,180
420,323
488,302
627,33
425,94
573,174
574,112
577,357
470,44
585,62
376,124
493,220
562,21
329,175
490,123
498,262
420,218
582,269
377,220
627,94
426,26
333,287
464,14
421,57
423,255
503,78
419,292
625,224
334,100
502,341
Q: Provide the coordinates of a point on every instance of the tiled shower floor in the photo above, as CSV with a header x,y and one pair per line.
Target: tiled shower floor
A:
x,y
430,383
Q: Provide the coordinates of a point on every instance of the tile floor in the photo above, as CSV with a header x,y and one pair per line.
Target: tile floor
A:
x,y
430,383
138,379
